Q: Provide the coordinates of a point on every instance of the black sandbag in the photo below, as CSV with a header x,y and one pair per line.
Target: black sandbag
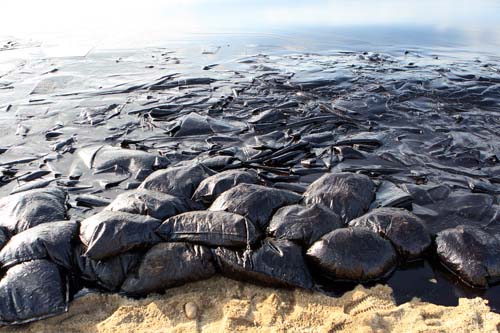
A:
x,y
52,241
353,254
191,124
276,263
168,265
427,194
25,210
210,228
4,236
406,231
256,202
219,162
110,233
195,124
32,291
153,203
458,208
347,194
106,158
390,195
107,274
303,224
211,187
471,253
180,181
468,205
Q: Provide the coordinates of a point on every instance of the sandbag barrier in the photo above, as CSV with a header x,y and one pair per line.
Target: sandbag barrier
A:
x,y
149,240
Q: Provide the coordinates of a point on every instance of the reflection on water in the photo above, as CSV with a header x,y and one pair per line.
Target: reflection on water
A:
x,y
300,25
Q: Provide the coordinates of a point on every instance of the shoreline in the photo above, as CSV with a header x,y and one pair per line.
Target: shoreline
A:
x,y
225,305
291,118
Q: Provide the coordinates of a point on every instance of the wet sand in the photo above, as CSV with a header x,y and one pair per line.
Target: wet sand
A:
x,y
230,306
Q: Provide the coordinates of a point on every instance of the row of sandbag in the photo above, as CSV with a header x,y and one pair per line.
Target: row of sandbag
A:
x,y
137,202
114,241
116,255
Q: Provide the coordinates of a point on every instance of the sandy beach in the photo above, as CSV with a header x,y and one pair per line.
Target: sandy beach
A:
x,y
224,305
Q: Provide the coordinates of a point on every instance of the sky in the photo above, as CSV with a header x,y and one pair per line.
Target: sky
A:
x,y
32,16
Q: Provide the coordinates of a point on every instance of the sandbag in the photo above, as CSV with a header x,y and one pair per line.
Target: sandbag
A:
x,y
180,181
256,202
218,162
196,124
104,158
153,203
471,253
4,236
276,263
427,194
107,274
167,265
190,124
45,241
390,195
211,187
347,194
27,209
303,224
210,228
457,208
406,231
32,291
353,254
468,205
111,233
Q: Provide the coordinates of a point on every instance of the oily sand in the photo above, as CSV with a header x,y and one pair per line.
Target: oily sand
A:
x,y
223,305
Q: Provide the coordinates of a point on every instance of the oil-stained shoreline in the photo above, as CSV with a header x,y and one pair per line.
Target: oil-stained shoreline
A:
x,y
424,128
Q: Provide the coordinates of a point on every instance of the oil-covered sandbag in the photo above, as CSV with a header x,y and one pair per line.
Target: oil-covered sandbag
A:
x,y
468,205
210,228
211,187
347,194
153,203
471,253
190,124
25,210
275,263
406,231
428,193
52,241
196,124
111,233
4,236
219,162
390,195
256,202
106,158
303,224
32,291
108,274
180,181
168,265
457,208
353,254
